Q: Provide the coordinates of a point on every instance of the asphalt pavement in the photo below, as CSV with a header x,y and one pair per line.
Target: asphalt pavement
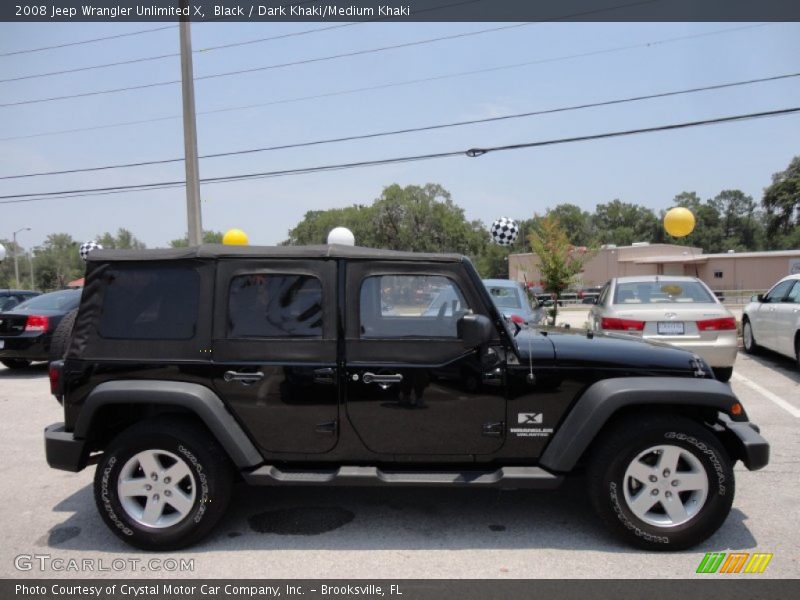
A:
x,y
387,533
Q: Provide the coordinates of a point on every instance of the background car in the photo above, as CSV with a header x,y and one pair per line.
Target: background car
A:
x,y
681,311
27,330
512,299
10,298
773,320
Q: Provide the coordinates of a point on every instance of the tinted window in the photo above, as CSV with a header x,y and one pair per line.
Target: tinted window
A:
x,y
270,306
65,300
777,293
400,306
663,291
794,295
154,303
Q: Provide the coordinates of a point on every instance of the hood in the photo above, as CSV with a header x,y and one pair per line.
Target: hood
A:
x,y
603,351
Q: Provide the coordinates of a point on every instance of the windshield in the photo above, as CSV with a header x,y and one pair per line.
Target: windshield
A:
x,y
658,292
505,297
65,300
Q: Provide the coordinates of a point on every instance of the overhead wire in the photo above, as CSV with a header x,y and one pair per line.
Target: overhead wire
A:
x,y
471,152
433,127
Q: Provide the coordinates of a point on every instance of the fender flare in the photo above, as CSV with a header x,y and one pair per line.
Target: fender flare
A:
x,y
604,398
198,399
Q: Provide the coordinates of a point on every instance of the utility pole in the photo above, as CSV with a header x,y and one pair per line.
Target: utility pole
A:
x,y
30,264
16,255
190,134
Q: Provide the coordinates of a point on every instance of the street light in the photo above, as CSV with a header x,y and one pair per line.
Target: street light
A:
x,y
16,262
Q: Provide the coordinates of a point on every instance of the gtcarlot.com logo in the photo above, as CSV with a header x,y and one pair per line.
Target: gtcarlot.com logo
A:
x,y
49,563
734,562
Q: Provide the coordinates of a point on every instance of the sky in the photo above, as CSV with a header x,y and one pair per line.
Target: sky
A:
x,y
647,169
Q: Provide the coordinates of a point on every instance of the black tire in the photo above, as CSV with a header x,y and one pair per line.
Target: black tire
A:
x,y
620,447
749,339
797,349
62,335
723,374
211,474
16,363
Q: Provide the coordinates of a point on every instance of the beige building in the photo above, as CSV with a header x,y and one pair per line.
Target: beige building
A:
x,y
729,271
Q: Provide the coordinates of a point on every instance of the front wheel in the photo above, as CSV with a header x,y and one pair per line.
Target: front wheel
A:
x,y
748,339
661,482
162,484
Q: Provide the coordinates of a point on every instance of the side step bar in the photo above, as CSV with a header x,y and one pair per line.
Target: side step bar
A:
x,y
503,477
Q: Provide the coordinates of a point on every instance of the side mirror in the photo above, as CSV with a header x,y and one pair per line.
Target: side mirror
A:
x,y
757,298
474,330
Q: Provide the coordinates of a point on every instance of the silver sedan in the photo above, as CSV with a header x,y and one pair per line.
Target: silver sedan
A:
x,y
681,311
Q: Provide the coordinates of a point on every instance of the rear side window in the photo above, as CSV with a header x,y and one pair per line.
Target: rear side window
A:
x,y
153,303
275,306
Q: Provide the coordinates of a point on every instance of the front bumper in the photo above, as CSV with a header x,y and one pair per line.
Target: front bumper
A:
x,y
753,450
63,451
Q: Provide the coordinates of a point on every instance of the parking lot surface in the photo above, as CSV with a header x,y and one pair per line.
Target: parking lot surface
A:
x,y
305,532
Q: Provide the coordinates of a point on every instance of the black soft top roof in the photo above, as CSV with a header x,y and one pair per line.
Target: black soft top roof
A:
x,y
215,251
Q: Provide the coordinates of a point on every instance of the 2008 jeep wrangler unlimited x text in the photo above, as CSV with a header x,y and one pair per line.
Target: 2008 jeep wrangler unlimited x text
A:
x,y
337,365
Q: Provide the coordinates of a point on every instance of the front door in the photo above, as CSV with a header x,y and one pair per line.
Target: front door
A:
x,y
767,317
413,390
274,351
787,315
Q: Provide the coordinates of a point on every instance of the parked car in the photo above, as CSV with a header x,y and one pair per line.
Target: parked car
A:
x,y
681,311
772,320
28,330
512,299
190,368
10,298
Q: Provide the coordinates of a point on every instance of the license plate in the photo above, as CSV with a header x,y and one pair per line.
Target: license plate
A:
x,y
670,328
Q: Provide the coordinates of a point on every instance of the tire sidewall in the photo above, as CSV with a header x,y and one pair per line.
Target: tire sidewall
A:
x,y
747,326
202,466
713,512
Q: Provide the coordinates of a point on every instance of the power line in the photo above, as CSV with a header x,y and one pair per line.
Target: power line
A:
x,y
401,83
90,41
506,117
472,152
271,67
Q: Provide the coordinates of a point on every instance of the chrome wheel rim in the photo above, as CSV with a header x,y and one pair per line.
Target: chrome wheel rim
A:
x,y
157,488
747,334
665,486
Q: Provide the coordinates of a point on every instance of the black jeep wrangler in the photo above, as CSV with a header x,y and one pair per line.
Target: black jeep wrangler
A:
x,y
335,365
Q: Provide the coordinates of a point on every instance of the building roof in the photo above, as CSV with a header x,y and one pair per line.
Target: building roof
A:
x,y
214,251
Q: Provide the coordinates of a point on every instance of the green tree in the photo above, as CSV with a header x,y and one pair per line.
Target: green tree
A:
x,y
741,222
781,204
209,237
576,222
7,266
124,240
622,223
559,262
708,229
58,262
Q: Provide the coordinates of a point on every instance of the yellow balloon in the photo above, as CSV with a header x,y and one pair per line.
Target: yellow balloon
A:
x,y
679,222
235,237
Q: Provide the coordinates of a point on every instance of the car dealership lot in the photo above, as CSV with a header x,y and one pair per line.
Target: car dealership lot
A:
x,y
388,533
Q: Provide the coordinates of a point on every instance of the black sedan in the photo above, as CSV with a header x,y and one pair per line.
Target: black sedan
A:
x,y
26,331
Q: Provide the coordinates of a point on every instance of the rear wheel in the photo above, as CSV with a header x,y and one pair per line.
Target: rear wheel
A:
x,y
62,335
16,363
723,373
748,339
163,484
661,482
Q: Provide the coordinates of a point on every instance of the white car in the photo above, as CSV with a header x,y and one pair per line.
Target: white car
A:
x,y
773,320
681,311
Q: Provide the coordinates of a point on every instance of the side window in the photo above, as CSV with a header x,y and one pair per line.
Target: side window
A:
x,y
153,303
794,295
601,299
402,306
275,306
777,293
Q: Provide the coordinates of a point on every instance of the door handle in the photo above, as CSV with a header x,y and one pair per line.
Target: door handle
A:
x,y
243,377
384,379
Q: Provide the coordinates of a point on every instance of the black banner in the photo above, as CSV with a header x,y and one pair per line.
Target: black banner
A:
x,y
43,11
727,587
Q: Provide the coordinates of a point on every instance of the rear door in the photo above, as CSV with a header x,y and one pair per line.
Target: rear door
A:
x,y
274,351
413,390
